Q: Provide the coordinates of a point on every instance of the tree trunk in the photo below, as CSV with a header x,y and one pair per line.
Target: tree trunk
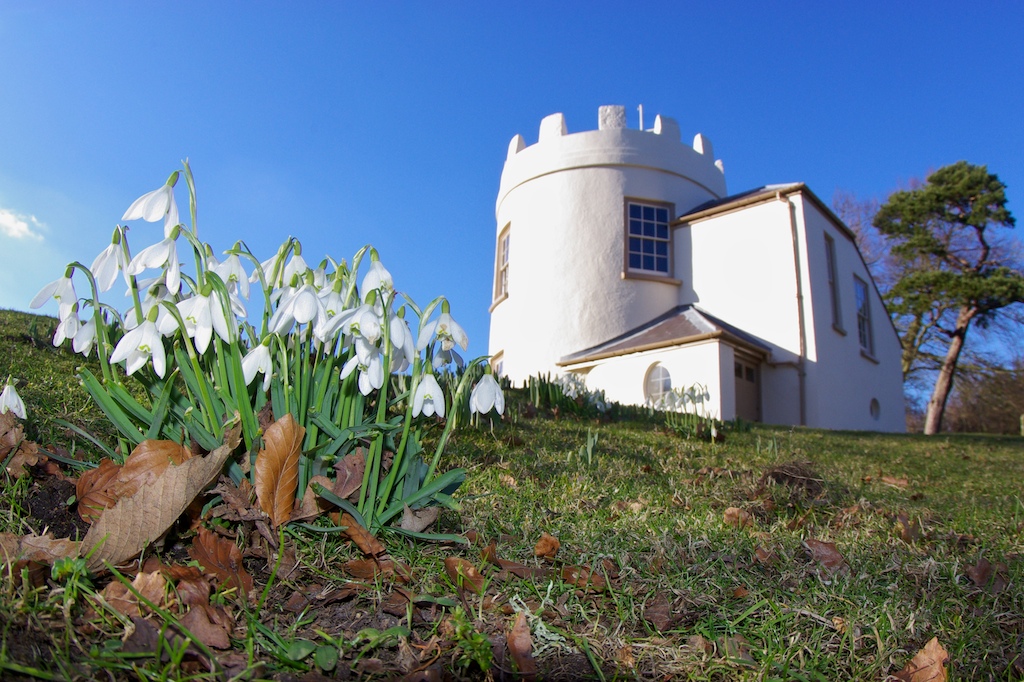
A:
x,y
944,382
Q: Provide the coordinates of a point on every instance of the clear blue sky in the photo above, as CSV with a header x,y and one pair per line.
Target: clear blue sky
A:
x,y
347,123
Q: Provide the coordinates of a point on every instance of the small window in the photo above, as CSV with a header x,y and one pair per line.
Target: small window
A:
x,y
749,373
864,334
875,408
833,289
647,238
498,363
658,383
738,370
501,265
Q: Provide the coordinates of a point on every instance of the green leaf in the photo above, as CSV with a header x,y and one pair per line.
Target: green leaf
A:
x,y
326,657
300,649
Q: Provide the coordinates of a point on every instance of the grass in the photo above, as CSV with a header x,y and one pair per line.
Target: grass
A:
x,y
680,591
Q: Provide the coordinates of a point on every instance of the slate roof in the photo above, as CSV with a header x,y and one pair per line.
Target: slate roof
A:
x,y
682,325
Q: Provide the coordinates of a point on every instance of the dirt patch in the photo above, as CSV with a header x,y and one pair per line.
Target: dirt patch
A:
x,y
48,508
802,481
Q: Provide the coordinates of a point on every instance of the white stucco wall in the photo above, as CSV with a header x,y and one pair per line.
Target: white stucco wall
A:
x,y
563,200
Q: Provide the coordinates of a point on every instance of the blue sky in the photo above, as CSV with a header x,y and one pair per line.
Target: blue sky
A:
x,y
348,123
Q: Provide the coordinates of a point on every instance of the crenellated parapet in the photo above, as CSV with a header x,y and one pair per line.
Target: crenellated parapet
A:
x,y
613,144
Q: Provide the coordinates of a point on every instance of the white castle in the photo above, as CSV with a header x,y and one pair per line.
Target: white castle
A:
x,y
621,258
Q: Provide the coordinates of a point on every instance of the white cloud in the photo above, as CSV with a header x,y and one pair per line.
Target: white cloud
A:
x,y
19,226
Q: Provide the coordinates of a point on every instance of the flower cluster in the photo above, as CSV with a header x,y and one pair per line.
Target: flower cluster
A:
x,y
326,346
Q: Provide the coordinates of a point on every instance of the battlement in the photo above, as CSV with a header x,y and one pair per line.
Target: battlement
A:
x,y
613,144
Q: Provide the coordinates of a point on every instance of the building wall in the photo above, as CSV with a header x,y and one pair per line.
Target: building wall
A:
x,y
563,200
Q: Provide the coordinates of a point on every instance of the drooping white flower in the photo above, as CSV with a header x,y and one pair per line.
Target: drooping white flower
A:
x,y
10,400
85,339
258,360
140,344
202,315
444,357
300,306
106,265
156,205
446,330
369,362
487,394
428,397
296,267
164,253
68,328
61,290
377,277
233,274
402,343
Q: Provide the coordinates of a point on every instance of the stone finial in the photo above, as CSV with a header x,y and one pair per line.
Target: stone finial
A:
x,y
611,117
552,126
702,145
517,145
669,127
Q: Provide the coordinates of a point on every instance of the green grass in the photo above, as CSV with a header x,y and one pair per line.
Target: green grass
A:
x,y
647,514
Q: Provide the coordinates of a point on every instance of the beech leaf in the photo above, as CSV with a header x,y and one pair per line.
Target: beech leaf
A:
x,y
364,540
737,518
547,546
277,469
928,665
520,645
91,490
135,521
418,520
349,473
148,460
464,574
826,554
222,558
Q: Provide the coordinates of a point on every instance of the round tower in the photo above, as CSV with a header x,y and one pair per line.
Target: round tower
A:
x,y
585,250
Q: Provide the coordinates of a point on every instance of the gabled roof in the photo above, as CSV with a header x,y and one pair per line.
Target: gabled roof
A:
x,y
682,325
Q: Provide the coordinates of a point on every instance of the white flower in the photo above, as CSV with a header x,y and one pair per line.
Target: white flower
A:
x,y
10,400
152,206
139,345
106,266
296,266
447,330
67,329
487,394
297,306
202,315
85,339
428,398
368,361
258,360
233,274
62,290
377,278
160,254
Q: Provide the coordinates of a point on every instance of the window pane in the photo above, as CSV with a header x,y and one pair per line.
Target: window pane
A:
x,y
662,231
662,264
648,213
661,248
648,229
634,227
634,260
648,262
662,214
648,246
634,244
634,210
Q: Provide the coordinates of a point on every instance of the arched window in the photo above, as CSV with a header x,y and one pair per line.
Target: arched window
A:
x,y
658,383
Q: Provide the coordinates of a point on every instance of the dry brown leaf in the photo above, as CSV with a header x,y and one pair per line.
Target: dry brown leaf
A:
x,y
909,530
736,649
464,574
765,557
221,558
988,576
583,578
738,518
826,554
210,624
740,592
11,433
547,546
152,586
658,612
520,646
312,505
148,460
91,490
928,665
45,548
508,481
418,520
365,541
349,473
901,482
364,569
135,521
26,456
277,469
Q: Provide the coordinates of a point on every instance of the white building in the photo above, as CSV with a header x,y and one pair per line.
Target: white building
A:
x,y
621,257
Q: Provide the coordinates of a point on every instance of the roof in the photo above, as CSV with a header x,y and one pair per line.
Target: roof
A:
x,y
680,326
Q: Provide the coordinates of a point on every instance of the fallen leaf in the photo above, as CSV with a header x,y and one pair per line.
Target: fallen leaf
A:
x,y
221,558
737,518
901,482
464,574
152,586
91,490
43,549
765,557
210,624
349,473
736,649
364,539
520,646
909,530
26,457
123,530
312,505
418,520
583,578
507,481
145,464
700,644
988,576
277,469
658,612
928,665
826,554
740,592
547,546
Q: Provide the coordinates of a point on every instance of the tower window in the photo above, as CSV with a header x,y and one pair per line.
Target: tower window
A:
x,y
657,384
860,288
501,265
833,289
648,238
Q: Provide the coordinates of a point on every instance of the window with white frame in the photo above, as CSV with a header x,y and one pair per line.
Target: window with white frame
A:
x,y
648,239
657,383
833,286
501,265
860,288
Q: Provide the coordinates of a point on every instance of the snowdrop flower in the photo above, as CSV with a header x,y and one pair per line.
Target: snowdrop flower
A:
x,y
106,265
487,394
233,274
152,206
68,328
62,290
368,361
428,398
85,339
158,255
10,400
296,266
156,293
447,330
138,345
271,268
376,278
300,306
446,356
404,346
202,315
258,360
